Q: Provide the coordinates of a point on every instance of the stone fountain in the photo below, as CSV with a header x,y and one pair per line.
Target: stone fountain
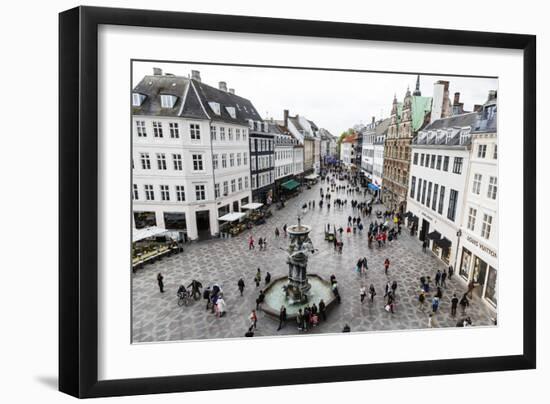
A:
x,y
298,289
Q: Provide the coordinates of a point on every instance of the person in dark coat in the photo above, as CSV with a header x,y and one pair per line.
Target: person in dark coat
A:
x,y
323,309
260,299
282,317
454,305
267,278
160,280
464,303
240,285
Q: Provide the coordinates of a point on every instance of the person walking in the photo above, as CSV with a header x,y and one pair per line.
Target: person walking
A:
x,y
258,278
221,307
437,277
206,296
430,321
323,309
372,293
424,245
277,232
260,300
393,287
471,286
435,304
160,281
282,317
300,320
443,279
362,293
386,265
240,285
284,230
267,278
253,319
421,300
250,242
451,272
454,305
464,303
261,243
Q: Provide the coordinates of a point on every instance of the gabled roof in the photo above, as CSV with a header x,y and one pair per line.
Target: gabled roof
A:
x,y
193,98
456,121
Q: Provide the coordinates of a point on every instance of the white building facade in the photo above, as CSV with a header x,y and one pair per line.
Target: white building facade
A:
x,y
478,247
437,184
190,154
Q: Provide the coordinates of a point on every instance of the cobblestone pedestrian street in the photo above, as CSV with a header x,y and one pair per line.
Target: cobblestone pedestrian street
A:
x,y
157,317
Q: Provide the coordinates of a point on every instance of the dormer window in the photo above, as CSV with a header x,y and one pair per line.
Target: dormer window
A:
x,y
231,111
167,100
137,99
251,124
215,106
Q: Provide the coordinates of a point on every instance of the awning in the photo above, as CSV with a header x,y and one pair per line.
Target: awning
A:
x,y
290,185
373,187
140,234
252,206
311,177
434,235
231,217
444,243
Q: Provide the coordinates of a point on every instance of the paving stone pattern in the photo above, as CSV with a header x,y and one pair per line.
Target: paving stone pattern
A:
x,y
157,317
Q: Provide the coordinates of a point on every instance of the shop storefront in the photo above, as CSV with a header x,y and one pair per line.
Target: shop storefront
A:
x,y
478,264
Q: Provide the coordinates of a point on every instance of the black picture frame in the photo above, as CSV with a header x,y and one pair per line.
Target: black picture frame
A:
x,y
78,192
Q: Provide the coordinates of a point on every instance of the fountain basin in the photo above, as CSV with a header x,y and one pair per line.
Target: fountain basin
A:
x,y
275,296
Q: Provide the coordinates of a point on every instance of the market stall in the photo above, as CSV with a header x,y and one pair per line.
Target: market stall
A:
x,y
311,179
150,244
257,213
233,224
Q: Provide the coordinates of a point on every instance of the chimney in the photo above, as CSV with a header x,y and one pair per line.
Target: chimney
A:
x,y
232,91
492,95
456,99
373,119
478,108
222,86
196,75
286,118
157,71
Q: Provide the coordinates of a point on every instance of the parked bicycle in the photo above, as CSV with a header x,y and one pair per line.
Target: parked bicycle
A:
x,y
183,296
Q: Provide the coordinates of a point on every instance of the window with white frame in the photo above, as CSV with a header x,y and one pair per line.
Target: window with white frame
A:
x,y
225,188
472,213
194,131
481,151
233,186
137,99
200,192
237,134
149,193
239,159
457,166
167,101
229,134
215,161
157,129
222,133
180,193
213,133
164,193
244,134
253,182
492,190
141,130
197,162
253,164
231,159
495,152
486,226
240,184
245,182
174,130
216,191
476,185
145,161
161,161
136,193
224,160
178,164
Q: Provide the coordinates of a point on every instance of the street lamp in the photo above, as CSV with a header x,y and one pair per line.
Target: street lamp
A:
x,y
458,235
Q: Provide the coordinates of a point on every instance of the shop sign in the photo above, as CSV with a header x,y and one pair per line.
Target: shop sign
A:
x,y
482,247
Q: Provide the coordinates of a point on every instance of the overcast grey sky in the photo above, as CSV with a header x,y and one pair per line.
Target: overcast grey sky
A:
x,y
334,100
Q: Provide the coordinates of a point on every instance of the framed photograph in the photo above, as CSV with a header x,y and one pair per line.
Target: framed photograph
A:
x,y
251,201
